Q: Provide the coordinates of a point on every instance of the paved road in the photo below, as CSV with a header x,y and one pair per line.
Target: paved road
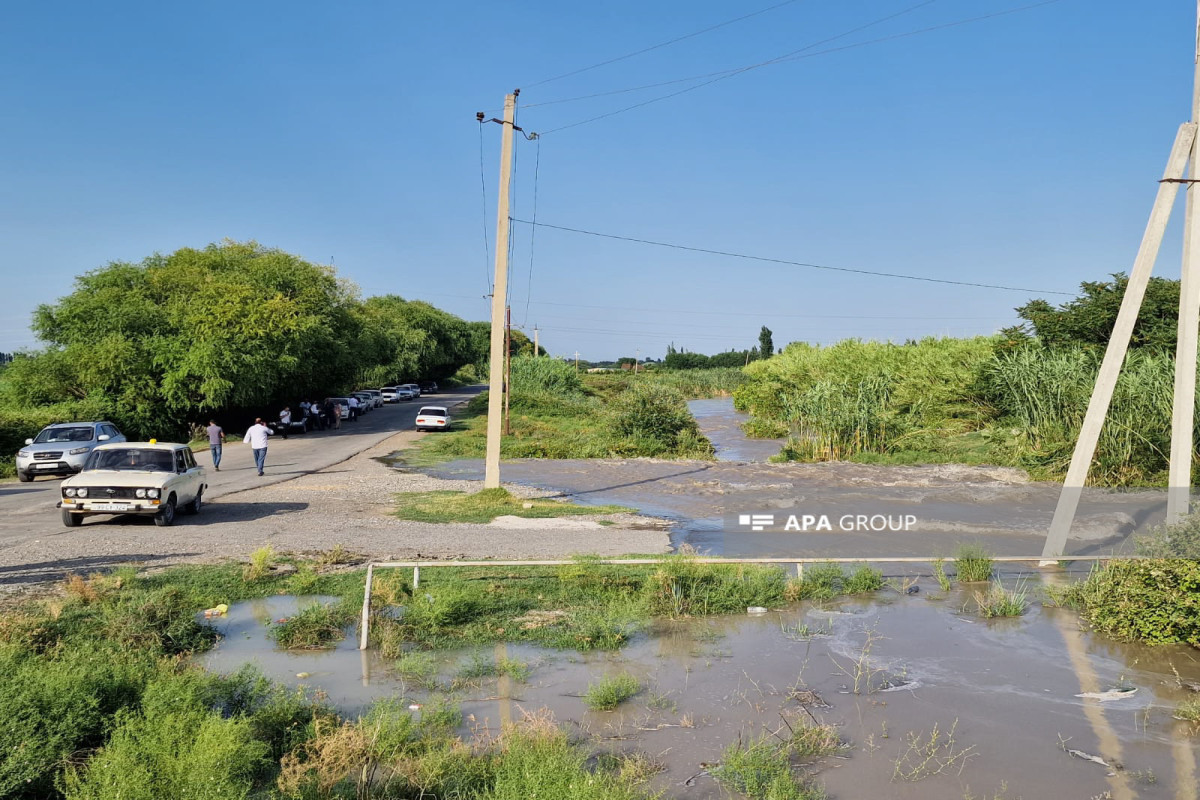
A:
x,y
27,510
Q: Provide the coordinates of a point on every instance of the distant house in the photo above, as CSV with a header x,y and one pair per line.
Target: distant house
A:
x,y
601,369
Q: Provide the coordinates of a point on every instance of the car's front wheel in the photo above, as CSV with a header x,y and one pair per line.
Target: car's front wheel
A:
x,y
166,514
194,506
71,519
24,477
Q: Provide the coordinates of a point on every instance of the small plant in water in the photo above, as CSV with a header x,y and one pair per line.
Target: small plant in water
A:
x,y
316,627
928,754
802,632
418,668
939,572
1000,602
864,678
974,565
610,691
1189,711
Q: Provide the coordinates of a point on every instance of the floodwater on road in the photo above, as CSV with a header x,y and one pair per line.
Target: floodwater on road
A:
x,y
840,508
723,427
887,672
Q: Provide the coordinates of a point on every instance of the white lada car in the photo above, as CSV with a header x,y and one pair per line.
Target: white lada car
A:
x,y
149,478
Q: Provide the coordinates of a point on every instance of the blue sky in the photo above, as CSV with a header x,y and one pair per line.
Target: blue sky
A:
x,y
1021,150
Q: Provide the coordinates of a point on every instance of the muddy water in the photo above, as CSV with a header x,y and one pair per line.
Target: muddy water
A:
x,y
723,427
1006,689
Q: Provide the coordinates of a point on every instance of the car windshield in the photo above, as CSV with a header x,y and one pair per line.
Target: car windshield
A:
x,y
433,412
132,459
64,435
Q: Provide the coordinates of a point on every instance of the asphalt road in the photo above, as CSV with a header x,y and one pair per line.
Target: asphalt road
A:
x,y
28,510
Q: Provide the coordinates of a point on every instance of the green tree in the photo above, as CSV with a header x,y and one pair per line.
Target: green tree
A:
x,y
1089,319
766,346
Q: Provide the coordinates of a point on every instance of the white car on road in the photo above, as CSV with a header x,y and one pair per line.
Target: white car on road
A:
x,y
433,418
148,478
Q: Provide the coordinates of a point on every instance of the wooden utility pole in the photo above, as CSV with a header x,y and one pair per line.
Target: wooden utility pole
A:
x,y
507,367
1184,154
496,385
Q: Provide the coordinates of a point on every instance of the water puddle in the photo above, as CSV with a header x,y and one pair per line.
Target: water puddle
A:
x,y
884,672
723,427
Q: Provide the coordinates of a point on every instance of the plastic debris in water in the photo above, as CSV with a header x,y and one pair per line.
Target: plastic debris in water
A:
x,y
756,610
301,675
216,611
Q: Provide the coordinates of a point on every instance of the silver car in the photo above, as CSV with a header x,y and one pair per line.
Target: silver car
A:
x,y
61,449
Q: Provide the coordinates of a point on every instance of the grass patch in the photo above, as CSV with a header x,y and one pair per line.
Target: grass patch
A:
x,y
826,581
939,572
762,769
1189,711
318,626
610,691
480,667
261,561
973,564
1000,602
485,505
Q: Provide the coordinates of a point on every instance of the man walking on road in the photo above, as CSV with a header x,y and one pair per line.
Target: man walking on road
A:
x,y
285,421
257,437
216,437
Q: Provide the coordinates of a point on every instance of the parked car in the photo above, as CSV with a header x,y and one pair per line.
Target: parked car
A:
x,y
428,387
389,394
62,448
376,397
433,418
148,478
404,393
299,424
416,390
365,402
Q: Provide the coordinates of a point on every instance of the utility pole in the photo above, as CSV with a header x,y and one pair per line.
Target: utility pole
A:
x,y
507,368
577,361
537,348
496,385
1179,475
637,354
1184,154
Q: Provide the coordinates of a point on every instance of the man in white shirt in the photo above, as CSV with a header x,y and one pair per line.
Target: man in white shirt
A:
x,y
353,407
256,437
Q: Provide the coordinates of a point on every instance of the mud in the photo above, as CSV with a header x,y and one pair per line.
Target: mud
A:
x,y
1008,689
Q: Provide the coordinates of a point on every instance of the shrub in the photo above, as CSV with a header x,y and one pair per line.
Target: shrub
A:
x,y
1154,601
649,411
1181,540
1000,602
610,691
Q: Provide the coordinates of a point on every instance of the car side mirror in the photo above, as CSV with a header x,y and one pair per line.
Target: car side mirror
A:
x,y
29,441
104,437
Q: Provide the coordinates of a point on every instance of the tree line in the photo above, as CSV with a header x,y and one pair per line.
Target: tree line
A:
x,y
235,327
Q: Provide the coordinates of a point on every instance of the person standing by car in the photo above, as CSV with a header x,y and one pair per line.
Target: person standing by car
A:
x,y
314,417
285,421
257,437
337,416
216,437
353,401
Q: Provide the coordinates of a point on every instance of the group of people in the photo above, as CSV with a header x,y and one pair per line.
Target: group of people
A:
x,y
316,417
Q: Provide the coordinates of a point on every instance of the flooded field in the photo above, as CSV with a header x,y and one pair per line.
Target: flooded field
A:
x,y
1002,698
939,506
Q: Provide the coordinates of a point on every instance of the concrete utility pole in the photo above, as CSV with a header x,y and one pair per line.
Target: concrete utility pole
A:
x,y
537,348
637,354
496,385
1185,153
577,361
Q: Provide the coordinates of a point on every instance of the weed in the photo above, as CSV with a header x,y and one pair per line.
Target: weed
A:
x,y
316,627
1189,711
1000,602
862,675
610,691
482,667
1001,794
934,753
1152,600
662,701
761,769
939,572
801,632
974,565
336,556
683,587
261,562
304,581
417,667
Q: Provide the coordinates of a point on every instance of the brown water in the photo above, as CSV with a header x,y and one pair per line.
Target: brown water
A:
x,y
723,427
1007,688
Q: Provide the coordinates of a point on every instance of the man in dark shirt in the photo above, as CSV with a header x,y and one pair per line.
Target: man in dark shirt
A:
x,y
216,437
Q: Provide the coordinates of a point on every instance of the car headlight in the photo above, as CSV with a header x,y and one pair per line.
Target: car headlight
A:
x,y
69,491
152,494
81,492
23,454
140,493
78,451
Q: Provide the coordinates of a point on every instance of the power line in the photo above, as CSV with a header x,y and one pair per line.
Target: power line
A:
x,y
537,164
797,55
786,262
487,251
728,73
661,45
